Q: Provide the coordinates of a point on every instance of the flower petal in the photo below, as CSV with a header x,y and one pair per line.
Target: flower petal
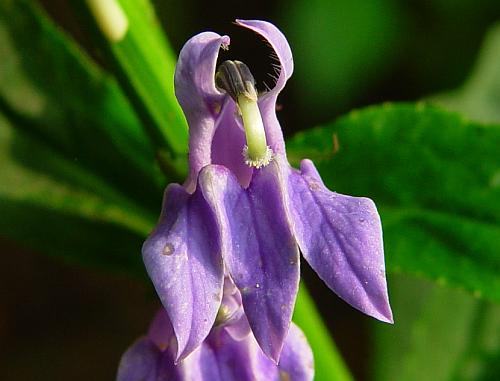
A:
x,y
241,360
199,98
228,143
296,362
202,102
161,331
139,362
280,46
183,259
267,102
239,329
259,250
341,238
201,365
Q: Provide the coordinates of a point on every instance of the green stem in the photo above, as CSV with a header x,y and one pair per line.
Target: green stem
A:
x,y
328,363
144,64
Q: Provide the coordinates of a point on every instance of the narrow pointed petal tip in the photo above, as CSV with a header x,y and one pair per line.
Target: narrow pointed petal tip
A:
x,y
341,238
184,263
259,250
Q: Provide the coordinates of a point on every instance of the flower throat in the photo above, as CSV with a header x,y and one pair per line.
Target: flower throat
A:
x,y
235,78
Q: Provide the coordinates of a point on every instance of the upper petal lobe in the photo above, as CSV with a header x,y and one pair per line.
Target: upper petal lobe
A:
x,y
199,98
267,102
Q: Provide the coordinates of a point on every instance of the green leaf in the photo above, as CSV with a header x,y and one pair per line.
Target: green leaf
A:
x,y
56,94
352,44
435,179
144,64
479,97
55,217
440,334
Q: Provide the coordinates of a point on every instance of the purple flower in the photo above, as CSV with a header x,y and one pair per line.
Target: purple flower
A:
x,y
230,352
245,212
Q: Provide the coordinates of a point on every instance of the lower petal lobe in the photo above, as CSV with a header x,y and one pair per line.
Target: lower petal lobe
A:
x,y
259,250
183,259
341,238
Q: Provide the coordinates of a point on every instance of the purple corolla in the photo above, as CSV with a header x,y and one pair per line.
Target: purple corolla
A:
x,y
229,352
244,211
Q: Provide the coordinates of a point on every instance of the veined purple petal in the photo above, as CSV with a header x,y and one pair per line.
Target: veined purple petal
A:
x,y
183,259
296,362
267,102
140,362
241,360
259,250
199,98
228,143
341,238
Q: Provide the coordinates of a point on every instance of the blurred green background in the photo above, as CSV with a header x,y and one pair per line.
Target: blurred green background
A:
x,y
59,320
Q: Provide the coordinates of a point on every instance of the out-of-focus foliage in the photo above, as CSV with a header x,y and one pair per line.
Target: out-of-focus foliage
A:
x,y
479,97
353,53
435,179
77,174
318,336
62,98
440,334
143,63
89,223
349,44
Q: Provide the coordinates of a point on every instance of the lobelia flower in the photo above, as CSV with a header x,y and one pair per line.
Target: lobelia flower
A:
x,y
229,352
245,212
